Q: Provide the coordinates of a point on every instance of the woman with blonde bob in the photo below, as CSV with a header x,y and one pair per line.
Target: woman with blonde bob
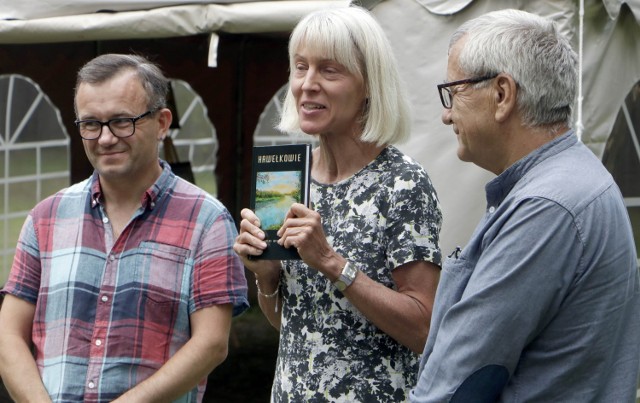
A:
x,y
354,312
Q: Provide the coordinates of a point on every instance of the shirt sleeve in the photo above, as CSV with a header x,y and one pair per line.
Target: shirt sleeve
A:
x,y
218,276
24,277
489,310
415,219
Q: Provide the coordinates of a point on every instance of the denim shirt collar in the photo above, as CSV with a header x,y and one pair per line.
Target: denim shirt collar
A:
x,y
498,188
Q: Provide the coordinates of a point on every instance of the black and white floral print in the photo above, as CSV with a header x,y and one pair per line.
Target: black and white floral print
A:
x,y
385,215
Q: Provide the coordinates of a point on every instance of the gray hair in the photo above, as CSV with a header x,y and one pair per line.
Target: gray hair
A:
x,y
105,67
352,37
530,49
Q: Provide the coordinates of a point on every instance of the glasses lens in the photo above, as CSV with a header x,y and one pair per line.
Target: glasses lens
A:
x,y
446,97
90,129
123,127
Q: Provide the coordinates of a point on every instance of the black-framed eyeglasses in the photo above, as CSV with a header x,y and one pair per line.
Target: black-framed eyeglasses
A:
x,y
120,127
446,96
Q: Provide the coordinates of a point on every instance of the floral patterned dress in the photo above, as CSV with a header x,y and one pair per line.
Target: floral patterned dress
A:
x,y
385,215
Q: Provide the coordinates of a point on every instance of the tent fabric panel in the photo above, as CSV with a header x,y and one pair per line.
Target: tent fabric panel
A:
x,y
449,7
272,16
614,6
611,58
422,61
32,9
611,68
444,7
164,22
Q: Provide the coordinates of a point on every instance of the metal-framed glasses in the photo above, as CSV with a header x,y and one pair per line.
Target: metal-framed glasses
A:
x,y
91,129
446,96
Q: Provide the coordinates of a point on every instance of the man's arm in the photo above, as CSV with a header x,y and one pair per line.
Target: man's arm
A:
x,y
206,349
17,365
495,306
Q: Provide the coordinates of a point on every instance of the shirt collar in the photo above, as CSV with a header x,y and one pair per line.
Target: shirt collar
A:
x,y
150,196
498,188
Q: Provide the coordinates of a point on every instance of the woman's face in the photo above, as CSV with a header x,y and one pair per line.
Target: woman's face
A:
x,y
329,99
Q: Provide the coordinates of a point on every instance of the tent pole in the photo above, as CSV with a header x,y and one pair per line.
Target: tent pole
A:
x,y
579,124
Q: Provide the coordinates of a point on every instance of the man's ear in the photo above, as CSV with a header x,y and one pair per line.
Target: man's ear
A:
x,y
506,92
165,122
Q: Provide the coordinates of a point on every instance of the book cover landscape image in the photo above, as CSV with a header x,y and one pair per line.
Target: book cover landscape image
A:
x,y
275,193
280,178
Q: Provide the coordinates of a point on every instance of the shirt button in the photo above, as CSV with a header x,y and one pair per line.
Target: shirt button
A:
x,y
91,385
105,219
491,209
112,258
98,342
104,298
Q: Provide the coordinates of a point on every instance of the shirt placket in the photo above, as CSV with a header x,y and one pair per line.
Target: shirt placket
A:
x,y
98,347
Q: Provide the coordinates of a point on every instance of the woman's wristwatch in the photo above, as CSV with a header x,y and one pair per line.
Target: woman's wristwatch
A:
x,y
347,276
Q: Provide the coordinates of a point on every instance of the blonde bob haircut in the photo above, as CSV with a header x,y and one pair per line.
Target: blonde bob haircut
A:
x,y
353,38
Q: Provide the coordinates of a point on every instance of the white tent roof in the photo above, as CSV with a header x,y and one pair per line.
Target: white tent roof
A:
x,y
420,31
41,21
45,21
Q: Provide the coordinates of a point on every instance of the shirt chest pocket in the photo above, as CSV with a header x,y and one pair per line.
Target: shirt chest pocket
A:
x,y
160,264
454,278
163,273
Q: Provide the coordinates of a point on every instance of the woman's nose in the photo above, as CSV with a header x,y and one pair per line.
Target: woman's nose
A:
x,y
310,80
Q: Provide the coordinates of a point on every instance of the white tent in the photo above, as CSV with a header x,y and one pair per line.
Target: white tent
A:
x,y
419,29
42,21
610,69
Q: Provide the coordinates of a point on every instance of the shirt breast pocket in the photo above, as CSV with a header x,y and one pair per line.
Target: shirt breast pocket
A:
x,y
163,273
456,272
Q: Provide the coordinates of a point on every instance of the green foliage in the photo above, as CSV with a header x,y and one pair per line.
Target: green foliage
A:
x,y
264,195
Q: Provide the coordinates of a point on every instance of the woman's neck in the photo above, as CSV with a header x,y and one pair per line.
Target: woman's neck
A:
x,y
340,158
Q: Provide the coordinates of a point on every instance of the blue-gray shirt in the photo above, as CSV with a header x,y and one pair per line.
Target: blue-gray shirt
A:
x,y
543,303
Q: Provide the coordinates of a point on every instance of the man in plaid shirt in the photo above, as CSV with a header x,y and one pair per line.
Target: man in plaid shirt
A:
x,y
123,286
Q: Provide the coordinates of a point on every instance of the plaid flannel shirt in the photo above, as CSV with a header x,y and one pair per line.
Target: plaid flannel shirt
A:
x,y
110,312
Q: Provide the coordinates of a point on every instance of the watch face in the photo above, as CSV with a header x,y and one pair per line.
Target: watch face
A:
x,y
347,276
351,272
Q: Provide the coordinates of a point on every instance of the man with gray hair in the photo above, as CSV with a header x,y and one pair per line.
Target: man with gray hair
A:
x,y
542,304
